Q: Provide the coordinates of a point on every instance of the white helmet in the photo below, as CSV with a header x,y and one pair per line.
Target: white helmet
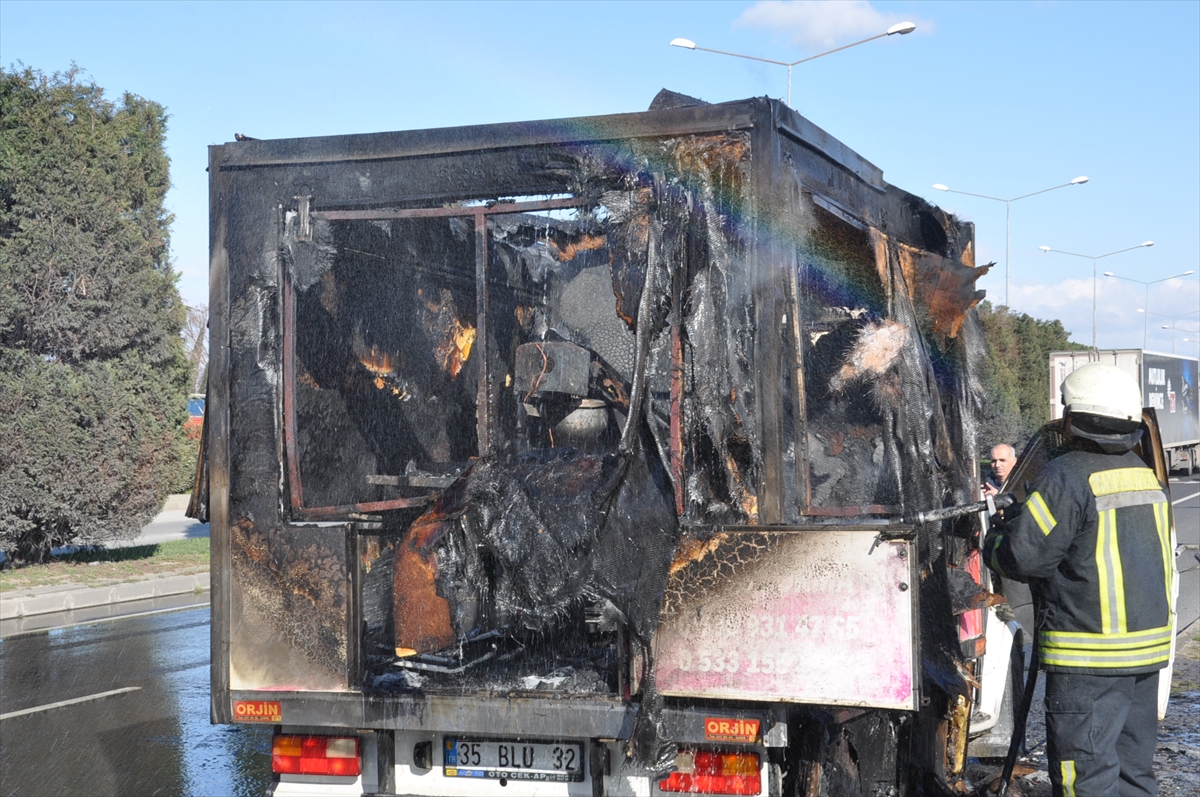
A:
x,y
1104,390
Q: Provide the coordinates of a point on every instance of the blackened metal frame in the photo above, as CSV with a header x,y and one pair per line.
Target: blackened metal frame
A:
x,y
486,399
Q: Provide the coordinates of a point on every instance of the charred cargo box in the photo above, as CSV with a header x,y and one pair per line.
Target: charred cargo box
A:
x,y
493,408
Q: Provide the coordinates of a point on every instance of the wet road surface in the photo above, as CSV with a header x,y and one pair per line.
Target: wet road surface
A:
x,y
121,707
1185,495
132,717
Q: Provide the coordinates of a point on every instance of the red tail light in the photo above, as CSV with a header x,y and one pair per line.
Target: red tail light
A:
x,y
716,773
315,755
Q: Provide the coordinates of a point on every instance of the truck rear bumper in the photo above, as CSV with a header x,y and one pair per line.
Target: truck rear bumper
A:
x,y
415,761
606,771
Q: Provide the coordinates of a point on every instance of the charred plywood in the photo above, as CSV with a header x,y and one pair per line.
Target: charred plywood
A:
x,y
292,598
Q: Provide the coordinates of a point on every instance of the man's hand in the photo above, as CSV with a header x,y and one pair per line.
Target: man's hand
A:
x,y
989,491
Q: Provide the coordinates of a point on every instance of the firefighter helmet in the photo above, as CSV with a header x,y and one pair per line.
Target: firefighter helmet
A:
x,y
1102,390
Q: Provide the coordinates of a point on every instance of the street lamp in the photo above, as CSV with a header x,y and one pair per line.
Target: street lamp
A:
x,y
1174,318
1008,216
1147,284
1181,329
903,28
1173,327
1095,279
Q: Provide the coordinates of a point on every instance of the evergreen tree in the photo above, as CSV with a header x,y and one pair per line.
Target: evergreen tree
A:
x,y
93,381
1001,409
1016,376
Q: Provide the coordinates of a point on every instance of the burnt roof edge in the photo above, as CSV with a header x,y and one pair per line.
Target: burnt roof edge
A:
x,y
447,140
686,120
802,131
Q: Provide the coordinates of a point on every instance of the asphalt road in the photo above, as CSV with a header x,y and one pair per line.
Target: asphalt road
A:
x,y
131,715
121,707
1185,495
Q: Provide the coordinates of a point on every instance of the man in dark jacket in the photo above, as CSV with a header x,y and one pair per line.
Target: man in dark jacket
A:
x,y
1093,540
1004,457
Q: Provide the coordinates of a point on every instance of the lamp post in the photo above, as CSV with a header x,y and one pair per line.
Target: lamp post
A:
x,y
903,28
1174,320
1172,327
1008,215
1095,279
1147,284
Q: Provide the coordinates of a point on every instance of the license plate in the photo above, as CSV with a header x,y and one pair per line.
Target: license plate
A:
x,y
513,760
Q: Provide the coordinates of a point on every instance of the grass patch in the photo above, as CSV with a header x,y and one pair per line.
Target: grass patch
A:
x,y
94,567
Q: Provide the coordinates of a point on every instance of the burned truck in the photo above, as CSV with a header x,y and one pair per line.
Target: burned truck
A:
x,y
586,456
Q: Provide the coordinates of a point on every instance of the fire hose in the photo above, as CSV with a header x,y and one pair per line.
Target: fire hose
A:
x,y
991,505
1018,737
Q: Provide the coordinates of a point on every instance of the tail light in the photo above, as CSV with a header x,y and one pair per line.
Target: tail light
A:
x,y
315,755
714,773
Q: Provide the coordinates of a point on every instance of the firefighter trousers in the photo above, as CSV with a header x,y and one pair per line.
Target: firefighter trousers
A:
x,y
1100,734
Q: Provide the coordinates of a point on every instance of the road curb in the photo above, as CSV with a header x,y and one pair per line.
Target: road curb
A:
x,y
16,606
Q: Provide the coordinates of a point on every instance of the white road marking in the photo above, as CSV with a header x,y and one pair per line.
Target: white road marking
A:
x,y
71,702
1185,498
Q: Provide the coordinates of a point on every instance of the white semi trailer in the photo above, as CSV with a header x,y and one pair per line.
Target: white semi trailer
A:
x,y
1168,383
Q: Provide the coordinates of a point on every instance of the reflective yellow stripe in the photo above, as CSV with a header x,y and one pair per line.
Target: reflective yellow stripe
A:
x,y
1104,574
1123,480
1118,575
1109,655
1134,498
1111,576
1068,778
1163,521
1110,660
1041,513
1083,640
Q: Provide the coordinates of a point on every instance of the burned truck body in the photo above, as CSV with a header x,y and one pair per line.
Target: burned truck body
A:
x,y
575,457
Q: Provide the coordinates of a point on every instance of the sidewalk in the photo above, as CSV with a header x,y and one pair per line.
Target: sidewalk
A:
x,y
67,597
169,524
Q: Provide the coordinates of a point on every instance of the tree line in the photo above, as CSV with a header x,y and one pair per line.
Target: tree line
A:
x,y
98,353
1016,373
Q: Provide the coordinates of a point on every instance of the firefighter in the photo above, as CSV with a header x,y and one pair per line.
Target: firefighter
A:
x,y
1093,542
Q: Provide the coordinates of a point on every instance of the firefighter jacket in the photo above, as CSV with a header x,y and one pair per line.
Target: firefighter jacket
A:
x,y
1094,541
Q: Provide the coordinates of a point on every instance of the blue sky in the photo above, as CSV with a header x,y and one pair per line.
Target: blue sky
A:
x,y
1001,99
